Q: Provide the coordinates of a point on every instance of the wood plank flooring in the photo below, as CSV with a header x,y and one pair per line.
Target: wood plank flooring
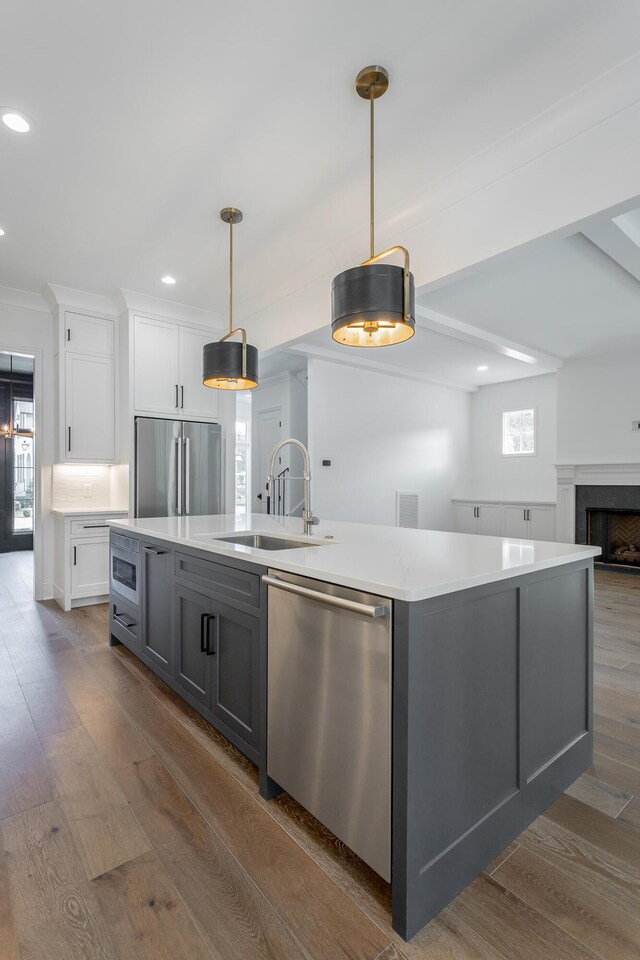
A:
x,y
130,829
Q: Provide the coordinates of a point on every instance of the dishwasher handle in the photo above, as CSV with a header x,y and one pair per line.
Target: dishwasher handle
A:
x,y
366,609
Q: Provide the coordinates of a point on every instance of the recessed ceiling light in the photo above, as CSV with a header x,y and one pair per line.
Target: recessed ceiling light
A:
x,y
482,368
1,232
15,121
168,279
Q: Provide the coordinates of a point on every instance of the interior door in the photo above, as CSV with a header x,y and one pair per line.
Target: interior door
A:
x,y
16,463
269,432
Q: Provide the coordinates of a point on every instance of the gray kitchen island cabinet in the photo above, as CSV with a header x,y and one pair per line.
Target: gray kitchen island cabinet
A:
x,y
491,665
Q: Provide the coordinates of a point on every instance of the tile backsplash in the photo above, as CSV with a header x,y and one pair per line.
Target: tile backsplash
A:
x,y
82,485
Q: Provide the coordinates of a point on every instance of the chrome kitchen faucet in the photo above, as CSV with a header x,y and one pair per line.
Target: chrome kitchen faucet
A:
x,y
308,519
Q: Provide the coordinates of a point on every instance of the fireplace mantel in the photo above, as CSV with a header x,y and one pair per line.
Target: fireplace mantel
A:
x,y
570,475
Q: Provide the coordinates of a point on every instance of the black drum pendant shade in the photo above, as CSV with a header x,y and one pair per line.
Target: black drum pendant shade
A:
x,y
368,306
222,366
373,305
228,365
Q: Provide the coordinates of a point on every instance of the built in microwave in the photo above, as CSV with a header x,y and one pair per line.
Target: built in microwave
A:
x,y
124,564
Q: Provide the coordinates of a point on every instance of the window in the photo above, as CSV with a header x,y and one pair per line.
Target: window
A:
x,y
519,433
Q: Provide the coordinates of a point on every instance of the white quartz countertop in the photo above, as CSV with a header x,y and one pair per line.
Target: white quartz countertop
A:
x,y
89,511
389,561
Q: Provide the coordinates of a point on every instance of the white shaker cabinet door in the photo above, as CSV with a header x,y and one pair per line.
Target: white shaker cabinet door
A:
x,y
465,518
156,366
89,334
489,524
89,567
542,523
89,424
515,521
196,400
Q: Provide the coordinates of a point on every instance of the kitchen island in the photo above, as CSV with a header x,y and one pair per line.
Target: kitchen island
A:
x,y
447,710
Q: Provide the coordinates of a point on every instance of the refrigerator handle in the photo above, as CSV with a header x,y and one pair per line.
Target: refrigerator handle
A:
x,y
187,473
178,476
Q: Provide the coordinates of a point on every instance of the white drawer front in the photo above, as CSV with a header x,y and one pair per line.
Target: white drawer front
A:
x,y
91,526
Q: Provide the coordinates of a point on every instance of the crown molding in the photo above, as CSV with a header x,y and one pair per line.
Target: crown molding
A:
x,y
130,300
82,300
13,297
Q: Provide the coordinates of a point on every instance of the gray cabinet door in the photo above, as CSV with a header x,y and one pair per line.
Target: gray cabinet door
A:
x,y
193,634
156,607
235,637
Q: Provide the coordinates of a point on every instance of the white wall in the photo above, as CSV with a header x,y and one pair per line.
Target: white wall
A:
x,y
494,477
30,330
598,397
383,434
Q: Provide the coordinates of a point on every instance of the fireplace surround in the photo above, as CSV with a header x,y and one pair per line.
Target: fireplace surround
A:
x,y
608,516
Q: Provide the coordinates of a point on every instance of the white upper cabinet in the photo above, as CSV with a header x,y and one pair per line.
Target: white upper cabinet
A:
x,y
167,371
195,400
83,334
156,347
89,405
87,394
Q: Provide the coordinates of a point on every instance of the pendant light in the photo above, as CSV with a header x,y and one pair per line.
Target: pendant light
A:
x,y
373,305
226,365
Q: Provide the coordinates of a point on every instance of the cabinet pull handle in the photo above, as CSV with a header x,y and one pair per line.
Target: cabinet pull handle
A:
x,y
367,610
94,526
176,400
154,550
68,439
179,510
528,514
68,335
209,651
75,556
187,474
181,397
124,623
203,642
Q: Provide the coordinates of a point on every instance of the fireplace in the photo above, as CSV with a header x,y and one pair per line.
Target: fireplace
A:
x,y
609,517
618,533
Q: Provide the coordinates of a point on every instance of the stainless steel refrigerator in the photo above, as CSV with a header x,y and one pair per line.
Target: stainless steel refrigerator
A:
x,y
178,469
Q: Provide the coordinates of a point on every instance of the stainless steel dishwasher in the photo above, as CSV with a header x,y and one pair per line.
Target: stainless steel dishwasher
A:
x,y
329,703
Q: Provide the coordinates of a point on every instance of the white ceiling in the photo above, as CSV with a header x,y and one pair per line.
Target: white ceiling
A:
x,y
151,115
566,297
427,356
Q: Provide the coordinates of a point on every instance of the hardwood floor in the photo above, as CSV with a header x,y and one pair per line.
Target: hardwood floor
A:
x,y
130,829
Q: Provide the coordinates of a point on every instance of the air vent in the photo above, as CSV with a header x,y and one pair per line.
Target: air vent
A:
x,y
407,508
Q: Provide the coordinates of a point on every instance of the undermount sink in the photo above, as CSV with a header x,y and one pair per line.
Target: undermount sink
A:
x,y
262,541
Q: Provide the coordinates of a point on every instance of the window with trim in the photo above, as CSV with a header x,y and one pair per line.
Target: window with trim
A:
x,y
519,433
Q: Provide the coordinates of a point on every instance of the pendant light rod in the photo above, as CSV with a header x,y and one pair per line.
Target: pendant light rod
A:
x,y
232,215
372,246
230,274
